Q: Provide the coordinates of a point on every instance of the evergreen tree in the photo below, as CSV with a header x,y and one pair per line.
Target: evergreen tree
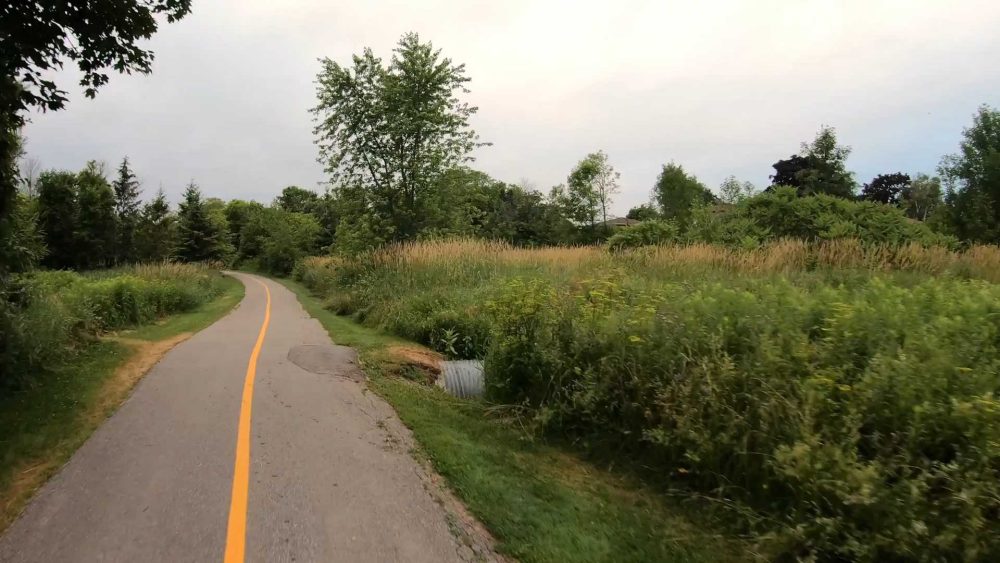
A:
x,y
95,218
126,189
199,238
57,193
156,231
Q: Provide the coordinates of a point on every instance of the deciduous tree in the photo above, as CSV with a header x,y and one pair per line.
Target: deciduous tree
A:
x,y
886,188
974,203
297,200
922,197
675,192
591,186
95,218
390,131
732,190
644,212
820,168
57,217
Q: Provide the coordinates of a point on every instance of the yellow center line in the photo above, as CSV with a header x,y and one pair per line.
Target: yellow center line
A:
x,y
236,533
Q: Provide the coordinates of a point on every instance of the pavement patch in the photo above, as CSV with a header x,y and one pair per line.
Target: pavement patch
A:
x,y
327,359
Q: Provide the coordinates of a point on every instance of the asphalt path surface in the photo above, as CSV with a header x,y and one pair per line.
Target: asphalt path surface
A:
x,y
161,479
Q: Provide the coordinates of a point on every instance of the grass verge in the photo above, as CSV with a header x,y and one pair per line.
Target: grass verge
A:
x,y
540,502
41,426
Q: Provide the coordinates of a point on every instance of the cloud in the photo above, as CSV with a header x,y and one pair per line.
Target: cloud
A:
x,y
722,87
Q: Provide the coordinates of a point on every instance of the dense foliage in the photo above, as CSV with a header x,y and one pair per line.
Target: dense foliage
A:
x,y
36,37
391,165
647,233
825,361
47,317
838,393
862,419
781,213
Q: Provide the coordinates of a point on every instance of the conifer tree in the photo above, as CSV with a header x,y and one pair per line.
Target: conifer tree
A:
x,y
156,231
126,188
198,237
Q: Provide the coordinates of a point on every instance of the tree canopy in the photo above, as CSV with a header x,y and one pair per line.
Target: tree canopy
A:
x,y
676,192
886,188
37,36
388,132
974,174
819,168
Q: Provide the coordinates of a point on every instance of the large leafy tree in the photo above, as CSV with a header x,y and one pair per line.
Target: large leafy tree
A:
x,y
127,208
974,173
199,238
297,200
517,214
275,239
676,192
886,188
57,217
733,191
388,132
922,197
591,186
820,167
238,214
37,36
96,226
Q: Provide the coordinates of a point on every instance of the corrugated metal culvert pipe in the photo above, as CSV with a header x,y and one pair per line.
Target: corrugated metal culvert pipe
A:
x,y
462,378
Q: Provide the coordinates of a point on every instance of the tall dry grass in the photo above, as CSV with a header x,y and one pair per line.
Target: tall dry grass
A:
x,y
783,256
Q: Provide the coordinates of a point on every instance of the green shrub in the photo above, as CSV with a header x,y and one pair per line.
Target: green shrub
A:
x,y
46,316
862,421
782,213
647,233
835,392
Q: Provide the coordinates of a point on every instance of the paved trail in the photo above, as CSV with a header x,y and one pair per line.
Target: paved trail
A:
x,y
156,481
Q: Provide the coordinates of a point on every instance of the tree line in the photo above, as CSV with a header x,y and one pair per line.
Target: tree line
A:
x,y
396,140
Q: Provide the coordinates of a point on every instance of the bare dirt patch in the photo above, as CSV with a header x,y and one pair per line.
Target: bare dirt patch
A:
x,y
413,363
419,357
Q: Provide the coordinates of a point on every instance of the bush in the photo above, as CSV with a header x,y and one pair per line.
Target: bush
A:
x,y
647,233
781,213
46,316
863,421
838,394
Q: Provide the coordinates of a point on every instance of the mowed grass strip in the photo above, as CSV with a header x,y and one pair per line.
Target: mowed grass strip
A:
x,y
41,426
541,503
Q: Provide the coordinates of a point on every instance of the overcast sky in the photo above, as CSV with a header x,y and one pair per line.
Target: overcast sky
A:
x,y
721,87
